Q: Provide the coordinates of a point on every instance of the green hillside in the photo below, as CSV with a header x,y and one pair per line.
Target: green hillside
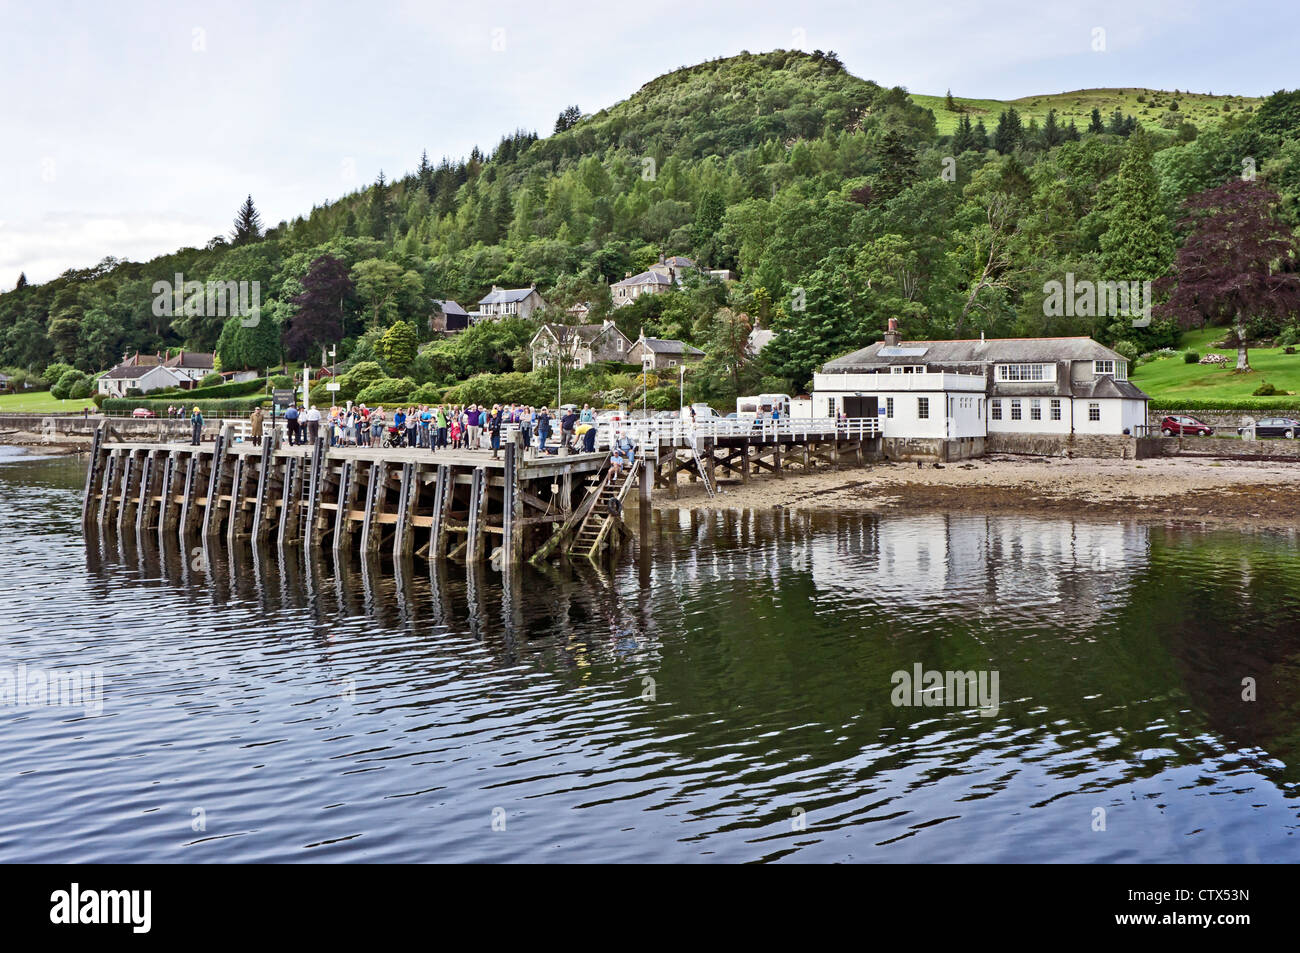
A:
x,y
1148,106
832,200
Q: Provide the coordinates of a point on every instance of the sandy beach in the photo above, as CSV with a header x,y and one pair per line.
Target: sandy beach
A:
x,y
1163,488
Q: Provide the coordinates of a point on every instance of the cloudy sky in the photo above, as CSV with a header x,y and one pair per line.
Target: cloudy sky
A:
x,y
134,128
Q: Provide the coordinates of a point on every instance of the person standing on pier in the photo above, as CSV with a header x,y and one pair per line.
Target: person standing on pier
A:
x,y
442,426
526,425
313,425
543,429
291,424
196,424
377,426
255,424
494,427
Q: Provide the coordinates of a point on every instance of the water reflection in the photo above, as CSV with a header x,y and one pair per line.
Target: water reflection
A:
x,y
732,669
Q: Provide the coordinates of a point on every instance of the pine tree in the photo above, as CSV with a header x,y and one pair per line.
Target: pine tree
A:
x,y
568,118
963,140
380,212
1053,135
22,281
1138,244
1010,132
980,137
949,103
1095,124
248,224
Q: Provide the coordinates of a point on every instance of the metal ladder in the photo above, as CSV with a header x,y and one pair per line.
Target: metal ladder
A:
x,y
699,465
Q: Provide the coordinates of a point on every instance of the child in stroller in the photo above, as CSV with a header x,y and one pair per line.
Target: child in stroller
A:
x,y
393,437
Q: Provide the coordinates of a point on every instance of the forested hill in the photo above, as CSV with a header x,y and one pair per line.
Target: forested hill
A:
x,y
838,203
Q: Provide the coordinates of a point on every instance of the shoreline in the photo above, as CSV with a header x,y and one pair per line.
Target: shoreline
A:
x,y
1182,489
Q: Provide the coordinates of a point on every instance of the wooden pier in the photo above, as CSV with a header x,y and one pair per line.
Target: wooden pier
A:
x,y
459,506
463,507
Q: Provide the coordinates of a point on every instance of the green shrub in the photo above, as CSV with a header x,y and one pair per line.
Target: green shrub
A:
x,y
282,381
52,374
211,380
1288,404
428,394
71,380
514,387
1265,390
1289,336
1190,356
81,389
1127,350
390,390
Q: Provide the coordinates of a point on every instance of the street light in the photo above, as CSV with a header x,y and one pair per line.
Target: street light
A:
x,y
646,361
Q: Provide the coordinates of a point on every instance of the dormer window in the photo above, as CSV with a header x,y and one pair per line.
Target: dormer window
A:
x,y
1103,367
1022,372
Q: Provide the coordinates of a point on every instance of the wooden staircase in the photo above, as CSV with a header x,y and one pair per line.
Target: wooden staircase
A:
x,y
593,533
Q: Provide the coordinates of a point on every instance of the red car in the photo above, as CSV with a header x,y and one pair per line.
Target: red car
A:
x,y
143,412
1179,426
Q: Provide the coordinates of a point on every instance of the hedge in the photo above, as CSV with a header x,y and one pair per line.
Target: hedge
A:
x,y
219,392
1204,404
210,408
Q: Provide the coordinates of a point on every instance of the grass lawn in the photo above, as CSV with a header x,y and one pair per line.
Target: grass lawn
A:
x,y
1201,109
39,402
1170,379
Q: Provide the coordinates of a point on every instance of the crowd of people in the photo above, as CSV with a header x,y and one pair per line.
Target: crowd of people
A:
x,y
443,426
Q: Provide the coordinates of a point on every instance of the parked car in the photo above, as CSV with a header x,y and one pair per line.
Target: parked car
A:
x,y
143,412
1275,427
1179,426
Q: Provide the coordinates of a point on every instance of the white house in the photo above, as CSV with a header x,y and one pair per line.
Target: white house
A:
x,y
141,377
976,387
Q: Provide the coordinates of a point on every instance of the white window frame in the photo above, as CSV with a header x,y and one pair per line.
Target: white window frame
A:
x,y
1015,409
923,408
1094,411
995,409
1022,372
1035,409
889,408
1056,408
1103,368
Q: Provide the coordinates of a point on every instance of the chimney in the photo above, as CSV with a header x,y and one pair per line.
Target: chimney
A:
x,y
892,337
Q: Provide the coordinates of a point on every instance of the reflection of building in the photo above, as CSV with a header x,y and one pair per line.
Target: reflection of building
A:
x,y
1012,564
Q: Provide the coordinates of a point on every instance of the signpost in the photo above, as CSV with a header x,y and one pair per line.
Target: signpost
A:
x,y
281,399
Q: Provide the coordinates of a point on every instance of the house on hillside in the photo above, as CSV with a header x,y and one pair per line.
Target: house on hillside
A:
x,y
578,345
508,303
662,353
448,317
663,275
6,383
967,389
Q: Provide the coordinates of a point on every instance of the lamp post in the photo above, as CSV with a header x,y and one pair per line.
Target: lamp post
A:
x,y
646,360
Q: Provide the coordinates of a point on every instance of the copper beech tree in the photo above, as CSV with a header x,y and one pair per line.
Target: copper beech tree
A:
x,y
1237,265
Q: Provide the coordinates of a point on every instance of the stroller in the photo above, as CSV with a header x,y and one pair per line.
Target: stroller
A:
x,y
393,437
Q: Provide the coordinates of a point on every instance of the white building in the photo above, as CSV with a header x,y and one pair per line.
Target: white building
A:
x,y
508,303
976,387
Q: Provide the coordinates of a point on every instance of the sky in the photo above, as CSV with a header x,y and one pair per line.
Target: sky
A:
x,y
135,128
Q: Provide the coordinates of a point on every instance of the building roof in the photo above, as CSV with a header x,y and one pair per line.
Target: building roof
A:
x,y
506,295
679,261
975,351
587,332
192,359
1106,386
645,278
136,371
448,306
668,346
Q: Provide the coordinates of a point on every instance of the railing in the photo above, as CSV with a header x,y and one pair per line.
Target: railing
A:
x,y
794,428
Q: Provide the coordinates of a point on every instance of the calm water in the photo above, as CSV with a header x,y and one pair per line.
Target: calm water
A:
x,y
723,694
